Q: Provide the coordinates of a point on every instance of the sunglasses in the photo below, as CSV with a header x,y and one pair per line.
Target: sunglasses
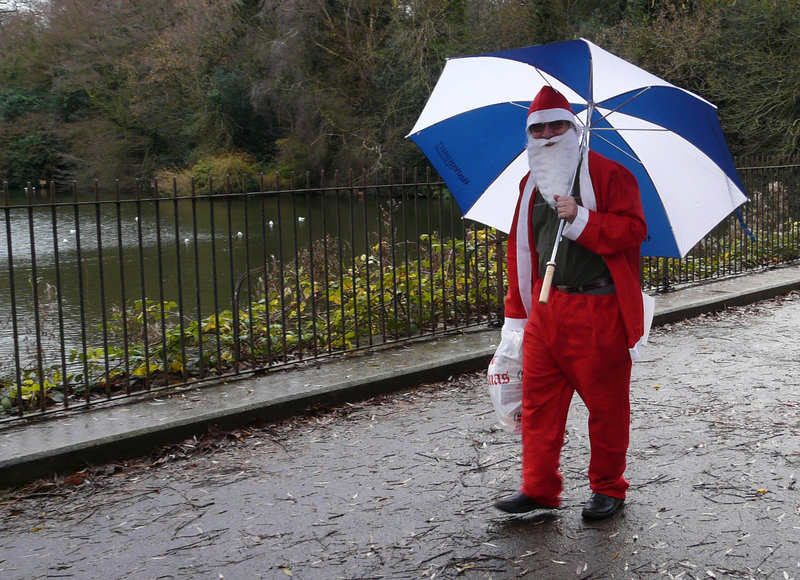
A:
x,y
554,126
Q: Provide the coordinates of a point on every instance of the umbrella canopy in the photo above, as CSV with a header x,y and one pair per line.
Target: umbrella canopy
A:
x,y
472,129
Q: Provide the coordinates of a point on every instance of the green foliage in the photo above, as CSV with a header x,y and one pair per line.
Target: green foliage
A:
x,y
740,55
757,77
30,154
32,394
212,174
158,86
135,87
15,103
29,151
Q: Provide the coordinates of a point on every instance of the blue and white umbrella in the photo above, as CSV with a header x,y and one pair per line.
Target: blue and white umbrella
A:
x,y
472,129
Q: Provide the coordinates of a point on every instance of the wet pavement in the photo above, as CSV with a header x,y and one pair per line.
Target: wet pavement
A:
x,y
401,485
131,428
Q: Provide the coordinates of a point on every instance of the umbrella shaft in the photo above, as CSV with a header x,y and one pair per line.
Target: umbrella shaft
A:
x,y
558,241
544,295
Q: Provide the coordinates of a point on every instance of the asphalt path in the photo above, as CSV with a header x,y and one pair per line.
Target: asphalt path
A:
x,y
401,486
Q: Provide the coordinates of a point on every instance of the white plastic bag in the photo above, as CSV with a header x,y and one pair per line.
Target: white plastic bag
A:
x,y
504,378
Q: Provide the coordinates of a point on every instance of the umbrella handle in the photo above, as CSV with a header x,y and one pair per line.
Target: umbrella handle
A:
x,y
544,295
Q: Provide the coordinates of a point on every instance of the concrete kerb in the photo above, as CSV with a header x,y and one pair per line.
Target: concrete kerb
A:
x,y
718,296
46,447
57,445
25,468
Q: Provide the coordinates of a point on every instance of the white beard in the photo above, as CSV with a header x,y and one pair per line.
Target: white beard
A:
x,y
553,167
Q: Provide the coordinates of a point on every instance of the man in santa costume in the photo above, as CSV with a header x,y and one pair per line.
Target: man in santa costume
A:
x,y
583,339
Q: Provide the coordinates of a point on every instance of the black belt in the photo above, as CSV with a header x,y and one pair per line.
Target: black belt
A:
x,y
606,283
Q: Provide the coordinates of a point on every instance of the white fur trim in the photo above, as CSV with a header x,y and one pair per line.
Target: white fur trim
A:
x,y
588,202
514,323
524,264
575,229
548,115
649,307
588,198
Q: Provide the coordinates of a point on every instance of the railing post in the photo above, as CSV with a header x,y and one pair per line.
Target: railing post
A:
x,y
13,297
498,255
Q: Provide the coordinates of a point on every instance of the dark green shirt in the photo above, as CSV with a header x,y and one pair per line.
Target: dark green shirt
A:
x,y
575,265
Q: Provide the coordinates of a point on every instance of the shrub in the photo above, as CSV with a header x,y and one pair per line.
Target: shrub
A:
x,y
29,150
212,174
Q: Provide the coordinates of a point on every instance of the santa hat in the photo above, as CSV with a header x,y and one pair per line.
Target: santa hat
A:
x,y
549,105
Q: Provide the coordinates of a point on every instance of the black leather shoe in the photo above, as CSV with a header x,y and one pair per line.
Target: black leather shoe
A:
x,y
600,506
519,503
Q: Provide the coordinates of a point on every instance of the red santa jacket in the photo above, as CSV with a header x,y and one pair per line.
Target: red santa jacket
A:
x,y
610,223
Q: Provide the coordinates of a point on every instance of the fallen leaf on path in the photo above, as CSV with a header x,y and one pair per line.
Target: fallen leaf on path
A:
x,y
75,479
466,567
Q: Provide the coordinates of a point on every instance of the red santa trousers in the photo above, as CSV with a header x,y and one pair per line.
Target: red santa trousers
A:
x,y
575,342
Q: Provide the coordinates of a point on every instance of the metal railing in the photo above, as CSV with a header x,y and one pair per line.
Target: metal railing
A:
x,y
111,293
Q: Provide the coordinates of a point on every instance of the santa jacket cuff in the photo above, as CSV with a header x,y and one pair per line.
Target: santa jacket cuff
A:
x,y
514,323
575,229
